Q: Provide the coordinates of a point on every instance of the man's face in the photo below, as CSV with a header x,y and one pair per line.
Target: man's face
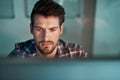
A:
x,y
46,32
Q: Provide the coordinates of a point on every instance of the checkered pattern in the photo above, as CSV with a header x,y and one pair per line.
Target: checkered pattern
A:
x,y
65,50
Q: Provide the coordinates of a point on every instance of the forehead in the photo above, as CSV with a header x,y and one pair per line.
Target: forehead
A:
x,y
48,21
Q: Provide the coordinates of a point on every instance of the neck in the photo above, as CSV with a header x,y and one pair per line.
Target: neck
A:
x,y
48,56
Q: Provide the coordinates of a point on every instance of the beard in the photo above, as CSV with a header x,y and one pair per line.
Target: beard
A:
x,y
46,47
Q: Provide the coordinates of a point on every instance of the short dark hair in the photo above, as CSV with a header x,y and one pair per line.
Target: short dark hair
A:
x,y
48,8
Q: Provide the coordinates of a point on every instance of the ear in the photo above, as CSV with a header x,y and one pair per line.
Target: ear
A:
x,y
61,29
31,28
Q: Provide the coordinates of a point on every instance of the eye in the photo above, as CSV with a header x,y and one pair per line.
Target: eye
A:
x,y
38,29
53,29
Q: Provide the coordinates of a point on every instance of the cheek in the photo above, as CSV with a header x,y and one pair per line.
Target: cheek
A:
x,y
36,35
55,36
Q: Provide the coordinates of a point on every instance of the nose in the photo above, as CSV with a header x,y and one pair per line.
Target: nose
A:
x,y
45,35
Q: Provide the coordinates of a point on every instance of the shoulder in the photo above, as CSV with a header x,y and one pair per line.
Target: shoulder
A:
x,y
69,45
74,50
25,44
23,48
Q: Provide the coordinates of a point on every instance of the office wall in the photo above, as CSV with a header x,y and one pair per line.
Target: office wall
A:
x,y
107,28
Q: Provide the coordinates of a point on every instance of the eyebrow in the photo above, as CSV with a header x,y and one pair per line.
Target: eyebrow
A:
x,y
43,28
37,26
54,27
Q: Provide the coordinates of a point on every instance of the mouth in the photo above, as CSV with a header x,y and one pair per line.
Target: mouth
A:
x,y
46,43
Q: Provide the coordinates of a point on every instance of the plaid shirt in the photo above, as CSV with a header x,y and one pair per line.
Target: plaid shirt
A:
x,y
65,50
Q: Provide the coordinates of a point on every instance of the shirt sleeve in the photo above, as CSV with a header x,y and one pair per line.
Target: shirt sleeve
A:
x,y
16,52
77,51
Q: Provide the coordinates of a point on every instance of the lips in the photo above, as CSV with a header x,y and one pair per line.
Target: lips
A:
x,y
46,43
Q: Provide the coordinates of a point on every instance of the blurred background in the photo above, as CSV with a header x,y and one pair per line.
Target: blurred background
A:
x,y
92,23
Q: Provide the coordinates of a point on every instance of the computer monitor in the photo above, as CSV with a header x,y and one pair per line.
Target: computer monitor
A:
x,y
57,69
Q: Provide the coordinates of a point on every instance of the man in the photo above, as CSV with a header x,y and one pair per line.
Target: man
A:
x,y
46,26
